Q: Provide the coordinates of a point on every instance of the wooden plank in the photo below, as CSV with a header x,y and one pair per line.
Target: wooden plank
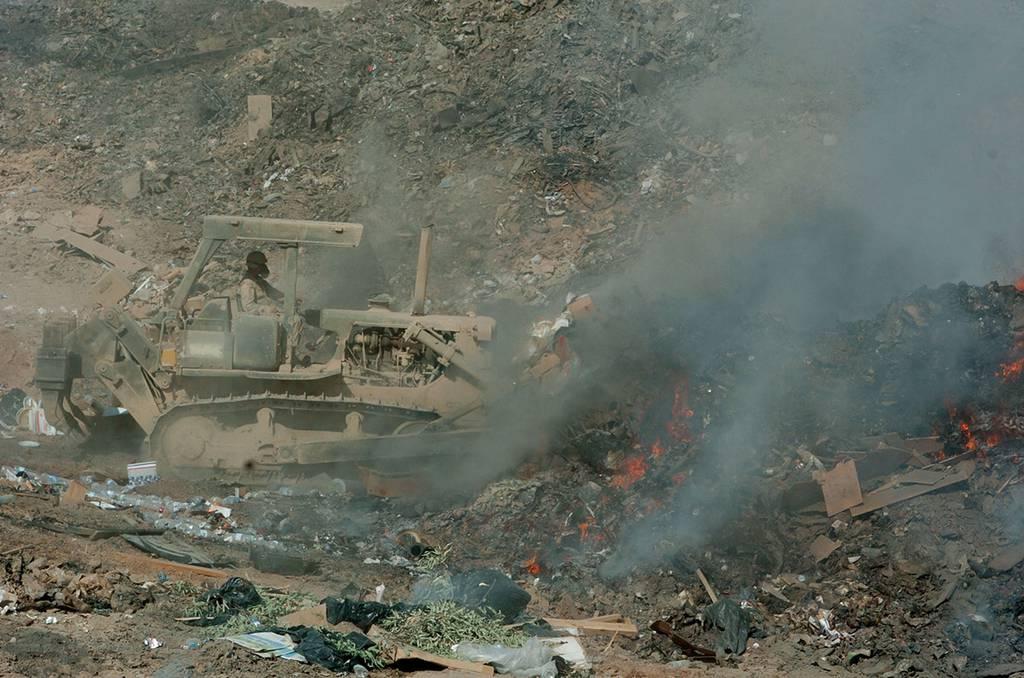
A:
x,y
840,487
626,628
401,652
119,260
260,115
707,586
882,498
919,476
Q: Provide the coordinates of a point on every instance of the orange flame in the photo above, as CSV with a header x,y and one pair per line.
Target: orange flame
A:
x,y
678,426
1011,371
657,449
634,467
533,566
970,440
584,528
1019,284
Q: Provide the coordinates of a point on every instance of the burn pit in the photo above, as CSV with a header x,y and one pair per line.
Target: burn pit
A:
x,y
672,471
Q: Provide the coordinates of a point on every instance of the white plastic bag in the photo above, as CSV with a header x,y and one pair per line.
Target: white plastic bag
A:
x,y
532,660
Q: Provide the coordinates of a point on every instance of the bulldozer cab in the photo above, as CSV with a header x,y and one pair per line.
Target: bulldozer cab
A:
x,y
220,336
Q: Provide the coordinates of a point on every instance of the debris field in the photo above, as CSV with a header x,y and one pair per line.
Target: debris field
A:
x,y
674,479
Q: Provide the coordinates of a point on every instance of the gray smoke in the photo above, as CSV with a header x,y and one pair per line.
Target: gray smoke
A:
x,y
872,147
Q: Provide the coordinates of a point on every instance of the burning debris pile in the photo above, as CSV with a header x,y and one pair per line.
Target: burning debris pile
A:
x,y
920,402
800,529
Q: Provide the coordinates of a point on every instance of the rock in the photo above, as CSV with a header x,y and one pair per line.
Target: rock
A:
x,y
82,142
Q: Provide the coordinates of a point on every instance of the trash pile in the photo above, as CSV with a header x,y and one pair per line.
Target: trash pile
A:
x,y
475,619
28,583
285,110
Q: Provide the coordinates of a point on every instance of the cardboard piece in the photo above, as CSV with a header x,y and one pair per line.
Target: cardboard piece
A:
x,y
840,487
878,462
885,497
315,616
268,645
307,616
260,115
929,446
822,547
87,220
111,288
74,495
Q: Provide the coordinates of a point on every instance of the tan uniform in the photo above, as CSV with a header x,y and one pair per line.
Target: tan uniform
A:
x,y
253,297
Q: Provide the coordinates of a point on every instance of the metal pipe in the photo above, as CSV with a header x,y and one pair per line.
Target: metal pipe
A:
x,y
419,295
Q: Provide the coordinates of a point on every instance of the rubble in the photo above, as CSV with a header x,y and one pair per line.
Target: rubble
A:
x,y
39,584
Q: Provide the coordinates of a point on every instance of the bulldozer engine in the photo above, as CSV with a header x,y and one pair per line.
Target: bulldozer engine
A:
x,y
383,356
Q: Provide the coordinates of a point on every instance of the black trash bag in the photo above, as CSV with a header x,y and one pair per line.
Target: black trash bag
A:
x,y
235,594
313,644
734,621
10,404
490,589
363,615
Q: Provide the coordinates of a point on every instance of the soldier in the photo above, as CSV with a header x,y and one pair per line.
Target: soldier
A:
x,y
255,294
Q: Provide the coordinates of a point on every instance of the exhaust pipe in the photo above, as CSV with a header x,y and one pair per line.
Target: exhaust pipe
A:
x,y
419,295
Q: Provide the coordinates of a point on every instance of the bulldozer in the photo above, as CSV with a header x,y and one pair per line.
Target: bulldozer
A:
x,y
220,391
